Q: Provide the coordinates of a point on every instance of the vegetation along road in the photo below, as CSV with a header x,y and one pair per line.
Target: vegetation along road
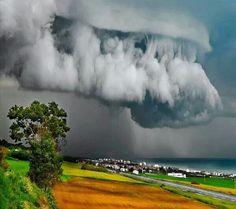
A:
x,y
213,194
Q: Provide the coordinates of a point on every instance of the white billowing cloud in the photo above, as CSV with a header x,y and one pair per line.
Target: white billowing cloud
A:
x,y
45,67
25,18
190,78
114,15
123,72
27,23
105,65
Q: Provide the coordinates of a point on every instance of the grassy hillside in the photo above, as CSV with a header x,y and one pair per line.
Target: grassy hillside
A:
x,y
71,170
18,192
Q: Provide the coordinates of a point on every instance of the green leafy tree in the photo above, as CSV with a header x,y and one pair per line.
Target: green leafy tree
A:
x,y
30,122
43,127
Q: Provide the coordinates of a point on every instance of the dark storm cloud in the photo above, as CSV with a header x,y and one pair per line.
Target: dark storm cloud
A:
x,y
214,140
95,130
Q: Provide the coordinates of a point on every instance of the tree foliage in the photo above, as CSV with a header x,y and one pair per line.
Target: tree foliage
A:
x,y
42,127
45,162
30,122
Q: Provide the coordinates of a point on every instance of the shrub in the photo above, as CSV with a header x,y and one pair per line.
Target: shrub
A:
x,y
91,167
3,153
45,162
19,153
195,182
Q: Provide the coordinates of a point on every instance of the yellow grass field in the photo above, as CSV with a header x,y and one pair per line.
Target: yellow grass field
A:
x,y
217,189
72,169
82,193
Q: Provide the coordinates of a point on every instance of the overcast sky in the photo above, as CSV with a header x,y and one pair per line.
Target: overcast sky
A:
x,y
173,97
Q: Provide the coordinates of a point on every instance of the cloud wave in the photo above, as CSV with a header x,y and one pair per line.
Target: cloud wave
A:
x,y
148,63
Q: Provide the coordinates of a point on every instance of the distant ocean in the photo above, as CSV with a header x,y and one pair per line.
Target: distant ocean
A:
x,y
218,165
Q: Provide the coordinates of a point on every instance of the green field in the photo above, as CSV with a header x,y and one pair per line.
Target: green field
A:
x,y
74,170
221,204
71,170
218,182
19,166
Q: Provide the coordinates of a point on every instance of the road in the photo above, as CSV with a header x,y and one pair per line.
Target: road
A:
x,y
216,195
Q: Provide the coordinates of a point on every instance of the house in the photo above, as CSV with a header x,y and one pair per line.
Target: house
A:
x,y
123,169
177,175
136,172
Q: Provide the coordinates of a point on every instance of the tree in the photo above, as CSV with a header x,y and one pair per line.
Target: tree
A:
x,y
42,127
29,123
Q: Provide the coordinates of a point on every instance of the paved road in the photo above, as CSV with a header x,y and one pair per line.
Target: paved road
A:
x,y
216,195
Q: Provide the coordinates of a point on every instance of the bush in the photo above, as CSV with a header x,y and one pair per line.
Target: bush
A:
x,y
45,162
195,182
91,167
19,153
3,153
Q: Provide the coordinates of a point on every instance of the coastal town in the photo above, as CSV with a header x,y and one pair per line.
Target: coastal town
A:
x,y
137,168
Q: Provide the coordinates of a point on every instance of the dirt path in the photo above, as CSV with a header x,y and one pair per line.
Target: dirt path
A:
x,y
97,194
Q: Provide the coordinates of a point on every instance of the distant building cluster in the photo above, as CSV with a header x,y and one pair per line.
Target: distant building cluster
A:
x,y
127,166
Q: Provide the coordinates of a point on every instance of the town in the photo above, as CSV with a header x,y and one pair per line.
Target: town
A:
x,y
127,166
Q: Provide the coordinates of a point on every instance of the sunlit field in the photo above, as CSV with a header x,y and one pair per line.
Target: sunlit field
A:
x,y
91,189
84,193
19,166
72,169
216,182
213,184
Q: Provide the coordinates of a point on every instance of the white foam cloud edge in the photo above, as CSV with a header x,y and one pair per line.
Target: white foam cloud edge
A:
x,y
120,72
116,15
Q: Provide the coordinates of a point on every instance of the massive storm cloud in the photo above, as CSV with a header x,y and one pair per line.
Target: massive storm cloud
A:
x,y
146,61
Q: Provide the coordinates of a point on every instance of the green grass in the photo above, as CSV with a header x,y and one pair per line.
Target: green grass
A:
x,y
218,182
71,170
65,178
74,169
22,198
17,192
19,166
221,204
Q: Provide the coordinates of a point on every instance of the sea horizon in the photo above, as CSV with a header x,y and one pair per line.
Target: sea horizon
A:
x,y
225,165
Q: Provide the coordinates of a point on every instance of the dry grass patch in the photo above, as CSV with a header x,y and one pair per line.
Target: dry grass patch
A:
x,y
82,193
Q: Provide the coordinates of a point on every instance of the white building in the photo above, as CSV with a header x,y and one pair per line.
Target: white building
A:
x,y
123,169
177,175
116,167
136,172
